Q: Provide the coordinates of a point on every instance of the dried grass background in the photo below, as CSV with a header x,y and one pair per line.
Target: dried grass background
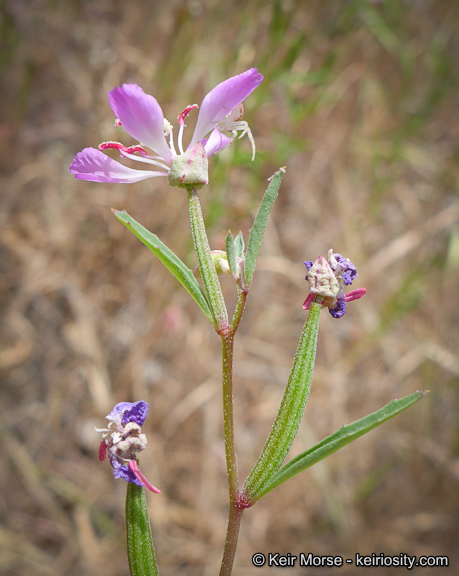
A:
x,y
360,103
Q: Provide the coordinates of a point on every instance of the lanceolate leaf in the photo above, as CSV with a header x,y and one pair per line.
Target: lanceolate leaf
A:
x,y
141,553
259,225
172,262
290,412
231,253
345,435
239,245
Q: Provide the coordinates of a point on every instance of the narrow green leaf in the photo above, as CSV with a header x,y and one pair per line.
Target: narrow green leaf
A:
x,y
172,262
345,435
239,245
291,410
259,225
231,253
141,553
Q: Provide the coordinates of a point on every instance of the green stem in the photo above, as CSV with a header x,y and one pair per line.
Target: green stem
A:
x,y
206,266
236,505
141,553
242,299
228,418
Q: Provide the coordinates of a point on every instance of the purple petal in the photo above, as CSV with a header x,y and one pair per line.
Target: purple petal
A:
x,y
216,142
141,116
116,415
340,308
222,99
91,164
309,264
349,270
136,412
125,412
121,470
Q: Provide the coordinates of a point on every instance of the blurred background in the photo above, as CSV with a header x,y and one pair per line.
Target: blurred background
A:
x,y
359,102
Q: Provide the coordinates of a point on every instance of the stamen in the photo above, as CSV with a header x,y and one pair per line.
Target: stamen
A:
x,y
102,451
147,160
184,114
355,294
112,146
136,148
233,123
122,149
134,468
181,119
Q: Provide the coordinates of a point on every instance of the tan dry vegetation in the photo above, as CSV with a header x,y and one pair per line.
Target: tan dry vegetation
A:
x,y
360,102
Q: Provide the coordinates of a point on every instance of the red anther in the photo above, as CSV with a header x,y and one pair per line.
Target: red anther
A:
x,y
137,148
355,294
112,145
185,113
121,148
102,451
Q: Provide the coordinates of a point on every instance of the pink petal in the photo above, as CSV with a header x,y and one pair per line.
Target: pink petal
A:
x,y
141,116
222,99
91,164
141,478
216,142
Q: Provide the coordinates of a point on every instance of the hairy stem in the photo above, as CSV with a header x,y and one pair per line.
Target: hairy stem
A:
x,y
235,503
228,418
234,522
206,266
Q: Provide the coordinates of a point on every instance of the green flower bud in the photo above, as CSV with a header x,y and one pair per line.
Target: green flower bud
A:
x,y
220,261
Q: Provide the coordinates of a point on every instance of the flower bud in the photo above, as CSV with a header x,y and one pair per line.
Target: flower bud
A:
x,y
220,261
189,170
327,279
322,280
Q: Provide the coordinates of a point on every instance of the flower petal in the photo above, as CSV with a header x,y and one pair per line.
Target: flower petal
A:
x,y
121,470
222,99
216,142
91,164
340,309
141,116
135,412
116,415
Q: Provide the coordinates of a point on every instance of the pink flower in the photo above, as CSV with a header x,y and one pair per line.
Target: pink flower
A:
x,y
142,118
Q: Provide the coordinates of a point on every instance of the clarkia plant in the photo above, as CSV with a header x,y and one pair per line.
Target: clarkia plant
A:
x,y
158,154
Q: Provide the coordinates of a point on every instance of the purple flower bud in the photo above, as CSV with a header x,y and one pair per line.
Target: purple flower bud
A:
x,y
328,278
